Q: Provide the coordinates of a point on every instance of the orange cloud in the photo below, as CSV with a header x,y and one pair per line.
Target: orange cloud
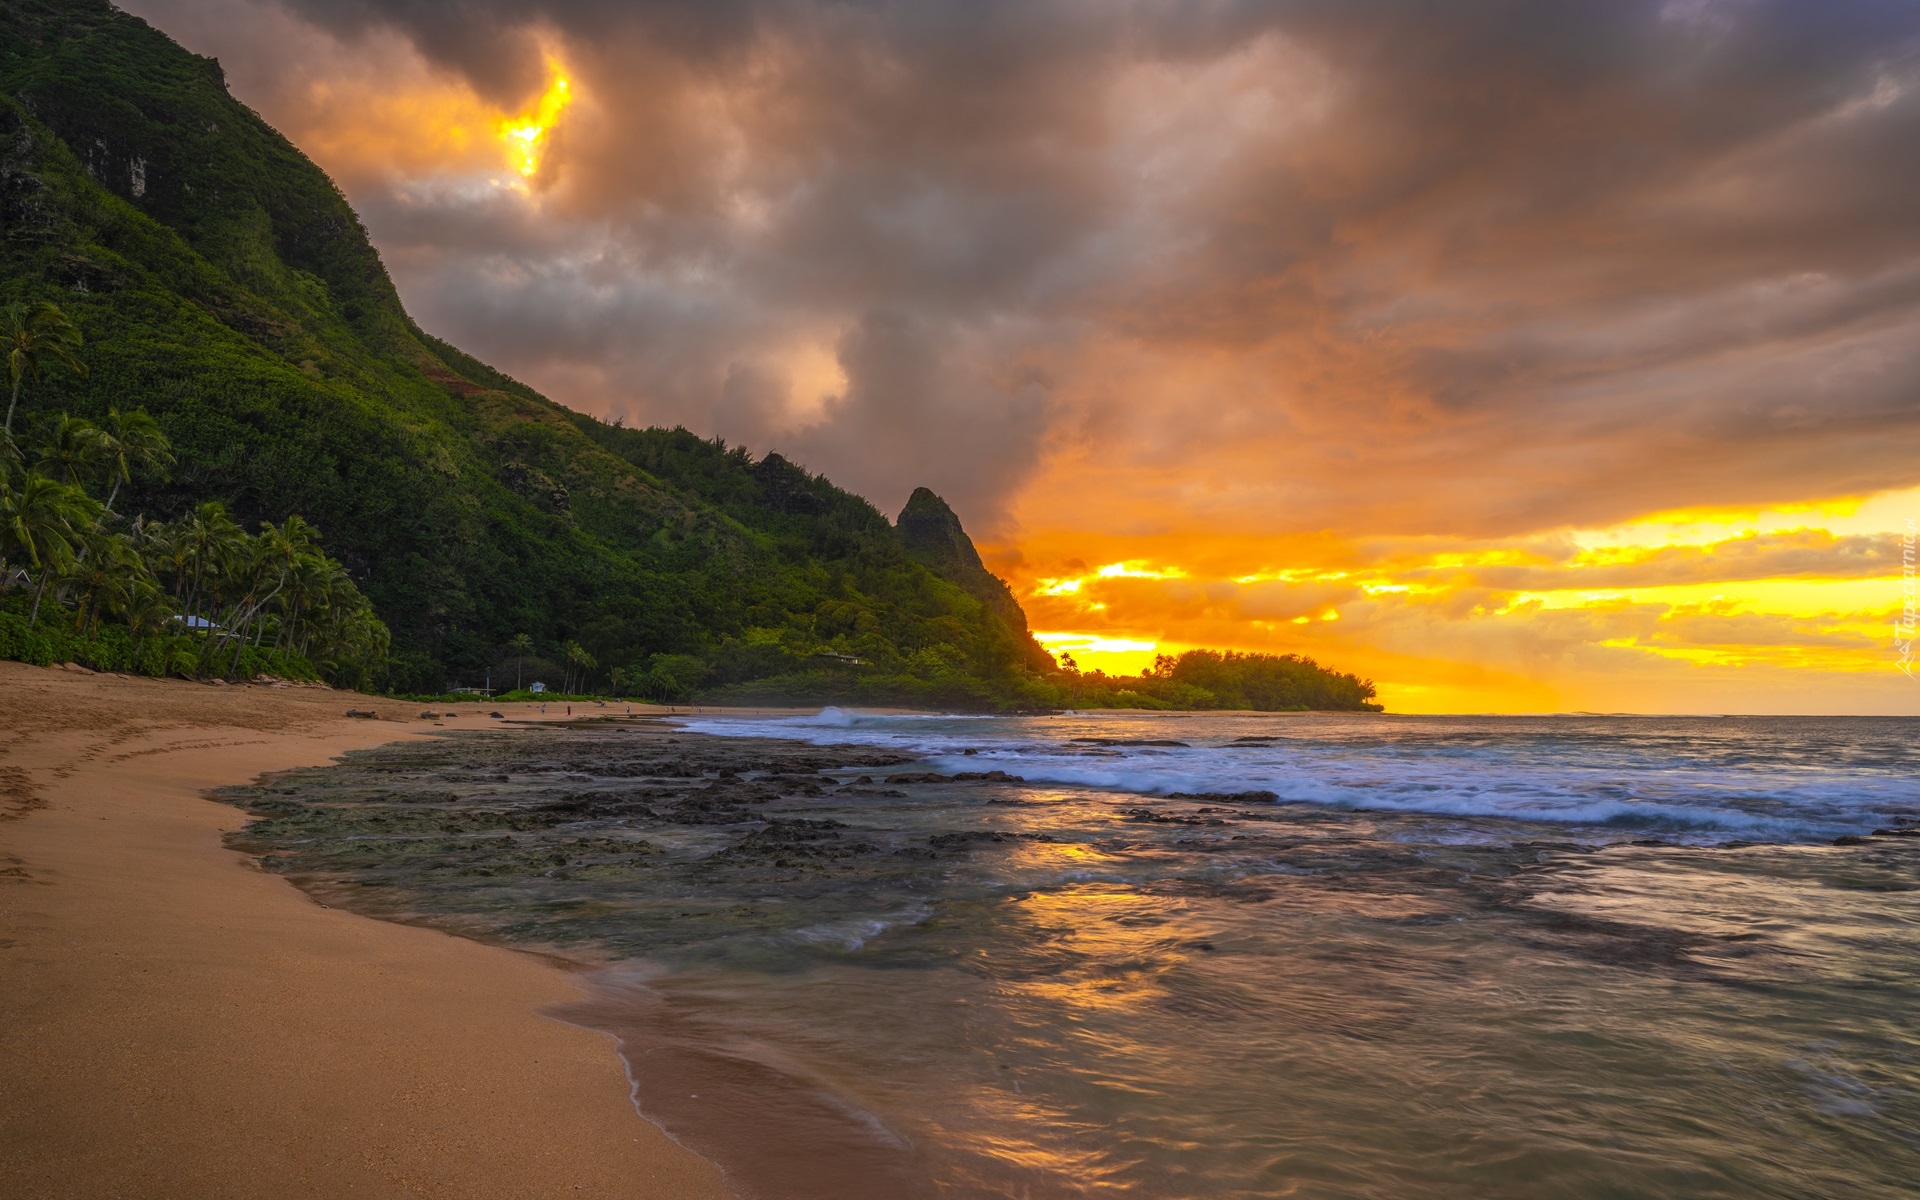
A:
x,y
1566,619
1257,331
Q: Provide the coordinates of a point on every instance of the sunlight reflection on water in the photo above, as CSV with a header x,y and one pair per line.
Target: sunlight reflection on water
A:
x,y
1046,990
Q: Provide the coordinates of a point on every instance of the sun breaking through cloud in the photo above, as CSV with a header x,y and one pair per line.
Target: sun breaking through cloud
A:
x,y
526,135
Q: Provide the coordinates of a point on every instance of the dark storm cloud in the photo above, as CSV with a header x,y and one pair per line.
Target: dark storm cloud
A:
x,y
1474,267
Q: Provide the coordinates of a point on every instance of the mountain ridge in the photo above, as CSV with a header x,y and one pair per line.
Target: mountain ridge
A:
x,y
226,282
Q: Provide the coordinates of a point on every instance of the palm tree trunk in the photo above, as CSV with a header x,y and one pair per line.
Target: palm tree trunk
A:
x,y
239,643
10,404
46,573
255,611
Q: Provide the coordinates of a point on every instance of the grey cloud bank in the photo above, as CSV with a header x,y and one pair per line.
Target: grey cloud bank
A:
x,y
1475,268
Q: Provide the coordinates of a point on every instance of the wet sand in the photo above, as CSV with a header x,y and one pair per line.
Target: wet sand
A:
x,y
175,1022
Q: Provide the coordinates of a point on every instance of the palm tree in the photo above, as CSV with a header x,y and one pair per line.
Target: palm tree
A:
x,y
521,645
336,604
37,336
133,440
350,636
305,593
147,611
211,539
268,567
578,660
258,575
169,551
39,522
107,574
75,452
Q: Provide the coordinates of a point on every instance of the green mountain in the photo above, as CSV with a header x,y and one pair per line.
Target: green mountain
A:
x,y
225,285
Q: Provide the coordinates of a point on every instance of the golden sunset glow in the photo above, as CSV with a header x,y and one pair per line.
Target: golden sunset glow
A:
x,y
1570,619
1198,352
526,135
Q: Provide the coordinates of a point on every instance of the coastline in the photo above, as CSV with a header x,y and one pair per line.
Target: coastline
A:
x,y
176,1022
724,900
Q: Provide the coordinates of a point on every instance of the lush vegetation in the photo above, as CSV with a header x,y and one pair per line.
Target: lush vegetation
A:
x,y
1217,679
198,596
222,284
225,286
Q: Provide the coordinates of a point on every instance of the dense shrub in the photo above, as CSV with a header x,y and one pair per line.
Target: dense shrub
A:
x,y
114,648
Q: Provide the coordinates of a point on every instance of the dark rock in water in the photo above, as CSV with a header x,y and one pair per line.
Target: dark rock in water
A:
x,y
1849,839
964,838
1912,832
1244,741
1148,816
988,777
921,777
1094,741
1252,797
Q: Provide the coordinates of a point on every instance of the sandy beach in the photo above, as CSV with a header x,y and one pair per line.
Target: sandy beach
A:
x,y
175,1022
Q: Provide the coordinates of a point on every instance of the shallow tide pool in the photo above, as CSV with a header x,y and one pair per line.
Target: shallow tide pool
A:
x,y
1289,956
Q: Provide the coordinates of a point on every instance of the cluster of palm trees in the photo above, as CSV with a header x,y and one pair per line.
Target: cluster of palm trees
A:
x,y
201,580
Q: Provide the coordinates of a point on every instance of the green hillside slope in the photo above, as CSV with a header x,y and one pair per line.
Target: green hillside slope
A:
x,y
224,284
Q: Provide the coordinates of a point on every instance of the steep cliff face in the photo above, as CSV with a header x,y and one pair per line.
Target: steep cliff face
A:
x,y
933,535
224,284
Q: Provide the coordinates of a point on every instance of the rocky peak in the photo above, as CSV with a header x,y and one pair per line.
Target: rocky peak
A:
x,y
935,537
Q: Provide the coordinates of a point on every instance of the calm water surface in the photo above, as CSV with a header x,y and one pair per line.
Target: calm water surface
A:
x,y
1570,957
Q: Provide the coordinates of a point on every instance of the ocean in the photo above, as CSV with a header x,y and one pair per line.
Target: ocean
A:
x,y
1196,955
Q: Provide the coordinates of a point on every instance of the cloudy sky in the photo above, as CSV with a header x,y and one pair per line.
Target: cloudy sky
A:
x,y
1518,355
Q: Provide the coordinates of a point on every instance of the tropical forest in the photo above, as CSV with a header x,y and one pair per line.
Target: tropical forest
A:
x,y
230,452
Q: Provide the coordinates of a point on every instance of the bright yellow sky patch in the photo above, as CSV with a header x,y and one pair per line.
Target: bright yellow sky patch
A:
x,y
1789,597
1441,627
526,135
